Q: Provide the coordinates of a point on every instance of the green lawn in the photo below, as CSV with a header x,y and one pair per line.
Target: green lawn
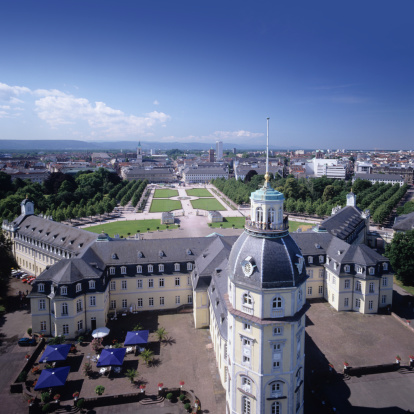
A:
x,y
165,193
199,192
207,204
294,225
132,226
165,205
229,221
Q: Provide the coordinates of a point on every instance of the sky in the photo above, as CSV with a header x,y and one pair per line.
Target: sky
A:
x,y
328,74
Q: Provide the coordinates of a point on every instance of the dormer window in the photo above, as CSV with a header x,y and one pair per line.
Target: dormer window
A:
x,y
176,267
150,268
114,256
371,271
78,287
189,252
139,269
335,265
160,267
189,266
347,268
359,269
64,290
123,270
385,266
161,253
91,284
111,270
140,255
41,287
310,259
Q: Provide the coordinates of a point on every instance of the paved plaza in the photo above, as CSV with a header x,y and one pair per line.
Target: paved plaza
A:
x,y
360,340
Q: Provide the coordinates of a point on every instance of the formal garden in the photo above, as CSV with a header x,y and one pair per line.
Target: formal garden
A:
x,y
209,204
161,204
199,192
165,193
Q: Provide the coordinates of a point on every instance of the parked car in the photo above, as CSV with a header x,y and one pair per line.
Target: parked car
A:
x,y
27,342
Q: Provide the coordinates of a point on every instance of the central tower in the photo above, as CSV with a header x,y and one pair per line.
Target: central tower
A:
x,y
266,305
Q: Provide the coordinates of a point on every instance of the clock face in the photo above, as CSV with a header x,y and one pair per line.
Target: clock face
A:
x,y
247,268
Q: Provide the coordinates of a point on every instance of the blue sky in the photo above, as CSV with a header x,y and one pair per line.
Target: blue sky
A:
x,y
329,74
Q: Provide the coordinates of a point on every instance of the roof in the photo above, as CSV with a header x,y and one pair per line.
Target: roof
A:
x,y
404,222
344,222
266,255
384,177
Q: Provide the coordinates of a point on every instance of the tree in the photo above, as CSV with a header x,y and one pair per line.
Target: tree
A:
x,y
400,252
249,176
147,355
328,193
6,258
161,334
131,374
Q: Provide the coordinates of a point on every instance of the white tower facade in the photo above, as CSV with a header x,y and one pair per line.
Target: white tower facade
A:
x,y
139,154
266,313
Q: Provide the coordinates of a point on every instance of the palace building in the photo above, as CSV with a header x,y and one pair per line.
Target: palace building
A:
x,y
250,291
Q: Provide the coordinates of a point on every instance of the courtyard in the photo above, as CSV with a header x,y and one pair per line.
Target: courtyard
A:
x,y
360,340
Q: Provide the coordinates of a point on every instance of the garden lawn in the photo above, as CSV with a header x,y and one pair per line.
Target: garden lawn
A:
x,y
294,225
199,192
132,226
228,222
207,204
165,193
409,289
165,205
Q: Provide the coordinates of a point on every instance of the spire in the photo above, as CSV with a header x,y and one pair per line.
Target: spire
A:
x,y
267,175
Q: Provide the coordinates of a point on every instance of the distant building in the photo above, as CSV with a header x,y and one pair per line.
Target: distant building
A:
x,y
100,156
380,178
139,154
404,223
203,174
219,150
35,176
214,217
363,167
211,155
153,175
332,168
406,172
167,217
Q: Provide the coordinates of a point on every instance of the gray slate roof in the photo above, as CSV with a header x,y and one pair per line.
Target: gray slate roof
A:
x,y
404,222
344,222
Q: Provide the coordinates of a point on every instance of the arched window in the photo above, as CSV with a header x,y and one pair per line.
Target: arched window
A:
x,y
78,287
139,269
64,309
276,408
246,384
176,267
259,214
246,405
277,389
277,303
123,270
111,270
271,215
91,284
247,300
79,305
160,267
64,290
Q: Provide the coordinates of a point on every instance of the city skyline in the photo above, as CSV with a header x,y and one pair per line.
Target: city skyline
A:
x,y
327,75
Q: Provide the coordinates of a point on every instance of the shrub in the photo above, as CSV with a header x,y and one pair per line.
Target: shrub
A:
x,y
100,389
187,406
80,403
29,331
22,376
46,408
45,397
182,397
80,339
169,396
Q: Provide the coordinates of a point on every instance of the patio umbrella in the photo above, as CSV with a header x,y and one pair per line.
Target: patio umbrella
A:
x,y
111,356
55,377
55,353
136,337
100,332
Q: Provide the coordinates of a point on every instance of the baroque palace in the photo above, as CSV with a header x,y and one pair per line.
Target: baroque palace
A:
x,y
249,291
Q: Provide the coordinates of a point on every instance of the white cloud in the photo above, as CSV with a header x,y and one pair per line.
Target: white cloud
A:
x,y
58,108
10,93
237,134
156,102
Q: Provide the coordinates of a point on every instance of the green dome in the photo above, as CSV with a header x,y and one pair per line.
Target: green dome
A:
x,y
266,193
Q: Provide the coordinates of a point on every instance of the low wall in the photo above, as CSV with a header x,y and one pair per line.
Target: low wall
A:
x,y
372,369
16,386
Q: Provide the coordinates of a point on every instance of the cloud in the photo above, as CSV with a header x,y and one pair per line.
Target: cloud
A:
x,y
156,102
58,108
10,93
237,134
